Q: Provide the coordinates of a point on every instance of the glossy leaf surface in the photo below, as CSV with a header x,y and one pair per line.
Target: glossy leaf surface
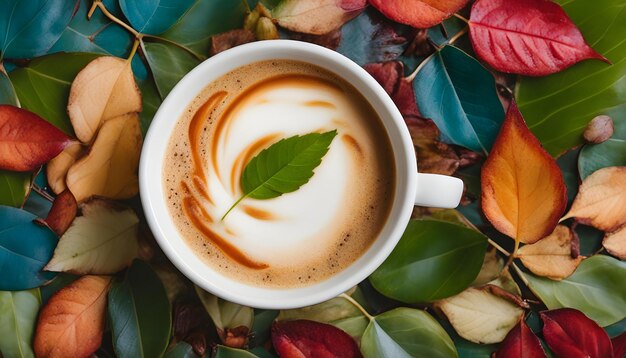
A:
x,y
558,107
139,312
25,248
569,333
459,95
594,288
433,260
154,16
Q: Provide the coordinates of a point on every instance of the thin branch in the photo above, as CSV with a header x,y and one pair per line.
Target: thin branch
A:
x,y
512,255
452,40
357,305
520,273
461,18
182,47
112,17
133,50
498,247
457,36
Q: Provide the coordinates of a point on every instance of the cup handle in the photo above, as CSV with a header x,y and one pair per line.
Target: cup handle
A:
x,y
438,191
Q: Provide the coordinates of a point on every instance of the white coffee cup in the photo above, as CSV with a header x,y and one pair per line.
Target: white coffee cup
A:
x,y
411,188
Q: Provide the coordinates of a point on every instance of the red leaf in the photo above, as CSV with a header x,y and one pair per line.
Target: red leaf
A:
x,y
520,342
26,140
389,75
619,346
569,333
304,339
62,213
418,13
529,37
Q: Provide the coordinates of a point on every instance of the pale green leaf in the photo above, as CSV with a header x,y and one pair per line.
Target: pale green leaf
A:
x,y
18,316
225,314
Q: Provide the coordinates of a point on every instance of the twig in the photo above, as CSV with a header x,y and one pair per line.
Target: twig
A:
x,y
520,274
42,192
498,247
452,40
512,255
461,18
133,50
100,5
182,47
357,305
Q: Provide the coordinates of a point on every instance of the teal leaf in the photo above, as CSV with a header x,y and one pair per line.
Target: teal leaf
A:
x,y
459,95
595,288
227,352
433,260
168,64
43,87
611,153
29,28
7,93
557,108
284,167
568,163
95,35
204,19
18,316
151,102
139,313
405,333
370,38
154,16
25,248
181,350
13,188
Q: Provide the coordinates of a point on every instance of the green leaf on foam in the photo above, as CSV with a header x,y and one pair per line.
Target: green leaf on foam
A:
x,y
433,260
459,95
43,86
595,288
557,108
284,167
18,316
29,28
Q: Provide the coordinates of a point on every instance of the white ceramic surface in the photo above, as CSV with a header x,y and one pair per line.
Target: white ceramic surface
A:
x,y
411,188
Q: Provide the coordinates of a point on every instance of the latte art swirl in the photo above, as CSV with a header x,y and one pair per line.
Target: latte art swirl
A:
x,y
329,220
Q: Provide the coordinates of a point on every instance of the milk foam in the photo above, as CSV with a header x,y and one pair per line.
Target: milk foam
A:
x,y
316,230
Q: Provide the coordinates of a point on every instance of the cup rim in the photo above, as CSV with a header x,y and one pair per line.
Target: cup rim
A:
x,y
152,199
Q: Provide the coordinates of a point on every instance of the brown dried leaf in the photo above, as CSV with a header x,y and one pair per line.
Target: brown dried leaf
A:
x,y
492,266
317,17
103,90
110,168
72,322
230,39
599,130
330,40
56,170
601,200
62,213
615,243
552,256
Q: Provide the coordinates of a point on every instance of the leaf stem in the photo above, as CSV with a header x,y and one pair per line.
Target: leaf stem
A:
x,y
520,273
235,204
498,247
357,305
133,50
452,40
42,193
512,255
457,36
462,18
182,47
100,5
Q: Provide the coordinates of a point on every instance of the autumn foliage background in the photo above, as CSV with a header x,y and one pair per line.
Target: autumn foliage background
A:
x,y
522,99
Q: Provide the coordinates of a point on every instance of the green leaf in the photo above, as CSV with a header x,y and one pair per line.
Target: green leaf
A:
x,y
154,16
611,153
95,35
7,93
226,352
168,64
43,87
30,28
405,332
13,188
371,38
204,19
18,316
140,314
225,314
25,248
433,260
568,163
151,102
459,95
260,331
557,108
338,311
283,167
181,350
595,288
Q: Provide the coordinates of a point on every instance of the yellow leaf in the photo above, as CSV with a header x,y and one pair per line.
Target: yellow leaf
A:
x,y
56,170
110,168
601,200
615,243
104,89
551,257
72,322
523,193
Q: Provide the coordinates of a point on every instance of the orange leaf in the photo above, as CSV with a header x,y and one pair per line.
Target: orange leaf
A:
x,y
418,13
72,322
601,200
523,193
615,243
